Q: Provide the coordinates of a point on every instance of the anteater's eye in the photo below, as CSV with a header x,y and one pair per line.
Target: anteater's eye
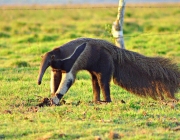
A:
x,y
53,57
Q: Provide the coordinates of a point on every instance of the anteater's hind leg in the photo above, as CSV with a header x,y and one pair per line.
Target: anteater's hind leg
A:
x,y
96,88
104,81
104,78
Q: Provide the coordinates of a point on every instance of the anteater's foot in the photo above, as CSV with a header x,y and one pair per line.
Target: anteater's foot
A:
x,y
102,102
55,100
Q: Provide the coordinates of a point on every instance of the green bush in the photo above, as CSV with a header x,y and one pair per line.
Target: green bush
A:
x,y
19,64
49,38
4,35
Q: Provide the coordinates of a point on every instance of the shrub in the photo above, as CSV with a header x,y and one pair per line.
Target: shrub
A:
x,y
19,64
49,38
4,35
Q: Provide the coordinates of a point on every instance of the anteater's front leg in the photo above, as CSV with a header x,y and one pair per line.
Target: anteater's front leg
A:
x,y
56,76
66,82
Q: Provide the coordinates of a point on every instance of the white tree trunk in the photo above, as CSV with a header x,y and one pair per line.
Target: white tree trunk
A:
x,y
117,27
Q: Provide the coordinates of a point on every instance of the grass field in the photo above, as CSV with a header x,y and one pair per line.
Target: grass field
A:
x,y
26,33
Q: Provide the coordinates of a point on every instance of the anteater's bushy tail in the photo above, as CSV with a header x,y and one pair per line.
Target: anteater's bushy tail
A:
x,y
155,77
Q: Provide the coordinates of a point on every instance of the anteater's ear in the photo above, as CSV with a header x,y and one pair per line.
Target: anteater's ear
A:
x,y
52,57
41,56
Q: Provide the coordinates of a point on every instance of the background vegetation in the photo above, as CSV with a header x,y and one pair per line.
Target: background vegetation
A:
x,y
26,32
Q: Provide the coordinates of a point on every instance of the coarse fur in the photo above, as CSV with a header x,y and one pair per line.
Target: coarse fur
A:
x,y
154,77
56,76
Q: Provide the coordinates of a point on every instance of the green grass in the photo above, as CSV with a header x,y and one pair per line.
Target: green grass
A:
x,y
26,34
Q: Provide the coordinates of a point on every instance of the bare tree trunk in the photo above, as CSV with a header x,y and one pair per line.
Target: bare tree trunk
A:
x,y
117,27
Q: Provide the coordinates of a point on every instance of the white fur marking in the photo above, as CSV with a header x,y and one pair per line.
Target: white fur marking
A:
x,y
52,82
65,79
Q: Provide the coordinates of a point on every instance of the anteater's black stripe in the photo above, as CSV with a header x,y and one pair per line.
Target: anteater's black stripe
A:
x,y
67,64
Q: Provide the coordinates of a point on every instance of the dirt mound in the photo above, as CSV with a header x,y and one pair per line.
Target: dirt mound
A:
x,y
48,102
45,102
